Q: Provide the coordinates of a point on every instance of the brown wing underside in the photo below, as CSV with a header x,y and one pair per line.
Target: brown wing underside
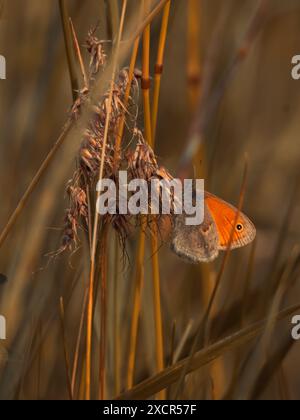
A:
x,y
195,243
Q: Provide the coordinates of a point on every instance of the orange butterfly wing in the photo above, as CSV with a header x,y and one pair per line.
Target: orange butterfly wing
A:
x,y
224,216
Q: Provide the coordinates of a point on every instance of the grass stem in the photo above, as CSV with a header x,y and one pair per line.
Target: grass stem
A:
x,y
96,219
69,48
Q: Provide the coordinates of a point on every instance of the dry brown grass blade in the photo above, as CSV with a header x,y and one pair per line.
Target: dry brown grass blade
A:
x,y
244,306
282,238
20,387
136,307
159,344
146,78
139,272
248,278
116,322
193,52
66,355
96,219
69,48
170,375
149,128
199,78
78,341
120,131
159,67
113,19
182,342
141,248
194,80
279,294
172,344
103,314
271,367
79,55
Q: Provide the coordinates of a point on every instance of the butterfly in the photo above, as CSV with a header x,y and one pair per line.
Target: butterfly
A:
x,y
202,243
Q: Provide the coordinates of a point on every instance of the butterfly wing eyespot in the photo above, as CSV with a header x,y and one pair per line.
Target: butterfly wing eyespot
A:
x,y
239,227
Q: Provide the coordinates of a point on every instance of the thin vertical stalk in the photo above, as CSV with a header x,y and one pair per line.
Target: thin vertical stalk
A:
x,y
117,341
159,348
78,340
141,251
194,72
103,313
112,19
39,361
157,306
126,98
158,69
96,220
195,95
79,55
146,77
67,364
69,48
193,49
139,276
139,270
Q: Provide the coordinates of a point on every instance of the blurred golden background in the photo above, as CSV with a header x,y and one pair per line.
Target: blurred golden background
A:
x,y
256,115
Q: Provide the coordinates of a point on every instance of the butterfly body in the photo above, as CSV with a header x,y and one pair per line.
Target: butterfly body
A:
x,y
222,225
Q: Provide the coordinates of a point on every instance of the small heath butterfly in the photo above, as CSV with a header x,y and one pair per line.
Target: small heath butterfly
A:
x,y
202,243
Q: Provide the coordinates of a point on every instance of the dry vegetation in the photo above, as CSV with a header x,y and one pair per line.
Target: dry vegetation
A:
x,y
99,307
